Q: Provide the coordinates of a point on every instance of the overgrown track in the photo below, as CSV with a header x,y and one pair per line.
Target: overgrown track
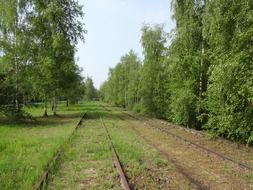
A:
x,y
180,169
116,160
205,149
43,180
199,185
202,134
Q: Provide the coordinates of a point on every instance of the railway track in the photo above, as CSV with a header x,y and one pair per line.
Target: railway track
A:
x,y
201,147
202,134
197,184
116,160
42,182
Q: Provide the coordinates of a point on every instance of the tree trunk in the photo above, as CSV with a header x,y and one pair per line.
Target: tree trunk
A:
x,y
45,107
16,102
24,100
201,74
200,111
67,103
54,106
125,98
15,58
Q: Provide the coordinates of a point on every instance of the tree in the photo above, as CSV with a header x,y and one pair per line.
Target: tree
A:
x,y
51,30
122,87
204,78
74,89
14,37
90,90
133,83
228,29
57,28
187,64
152,85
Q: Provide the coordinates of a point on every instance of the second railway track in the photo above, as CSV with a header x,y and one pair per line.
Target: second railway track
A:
x,y
201,147
185,138
198,185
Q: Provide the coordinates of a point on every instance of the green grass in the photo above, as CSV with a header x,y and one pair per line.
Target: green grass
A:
x,y
249,177
25,148
87,163
135,154
62,108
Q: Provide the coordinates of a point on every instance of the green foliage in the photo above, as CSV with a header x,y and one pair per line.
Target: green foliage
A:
x,y
204,79
50,29
153,79
230,94
90,90
14,38
122,87
58,28
187,64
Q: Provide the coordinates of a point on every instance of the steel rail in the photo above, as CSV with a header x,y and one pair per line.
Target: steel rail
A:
x,y
43,179
116,160
180,169
209,151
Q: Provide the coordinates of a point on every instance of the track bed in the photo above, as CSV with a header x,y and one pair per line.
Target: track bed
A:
x,y
153,154
88,162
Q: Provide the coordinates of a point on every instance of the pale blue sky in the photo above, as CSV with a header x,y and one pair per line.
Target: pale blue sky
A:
x,y
113,29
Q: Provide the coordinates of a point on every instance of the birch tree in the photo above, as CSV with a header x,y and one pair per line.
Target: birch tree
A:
x,y
57,28
152,86
14,38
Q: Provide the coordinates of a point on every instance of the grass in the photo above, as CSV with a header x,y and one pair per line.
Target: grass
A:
x,y
87,163
249,177
137,157
25,148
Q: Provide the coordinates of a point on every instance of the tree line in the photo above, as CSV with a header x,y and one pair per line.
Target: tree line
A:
x,y
203,79
37,53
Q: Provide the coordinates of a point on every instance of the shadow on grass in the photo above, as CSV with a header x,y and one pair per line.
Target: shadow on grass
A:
x,y
93,111
41,121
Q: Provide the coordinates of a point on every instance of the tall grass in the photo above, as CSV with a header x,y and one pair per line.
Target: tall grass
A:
x,y
25,148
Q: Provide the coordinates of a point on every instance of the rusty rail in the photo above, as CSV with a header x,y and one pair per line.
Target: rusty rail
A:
x,y
116,160
242,165
43,180
199,185
209,151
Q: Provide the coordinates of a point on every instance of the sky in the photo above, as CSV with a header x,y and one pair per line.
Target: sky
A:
x,y
114,28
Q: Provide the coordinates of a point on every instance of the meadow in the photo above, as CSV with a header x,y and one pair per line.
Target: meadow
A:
x,y
27,146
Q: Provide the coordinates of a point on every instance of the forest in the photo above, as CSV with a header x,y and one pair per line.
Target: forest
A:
x,y
199,75
37,55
